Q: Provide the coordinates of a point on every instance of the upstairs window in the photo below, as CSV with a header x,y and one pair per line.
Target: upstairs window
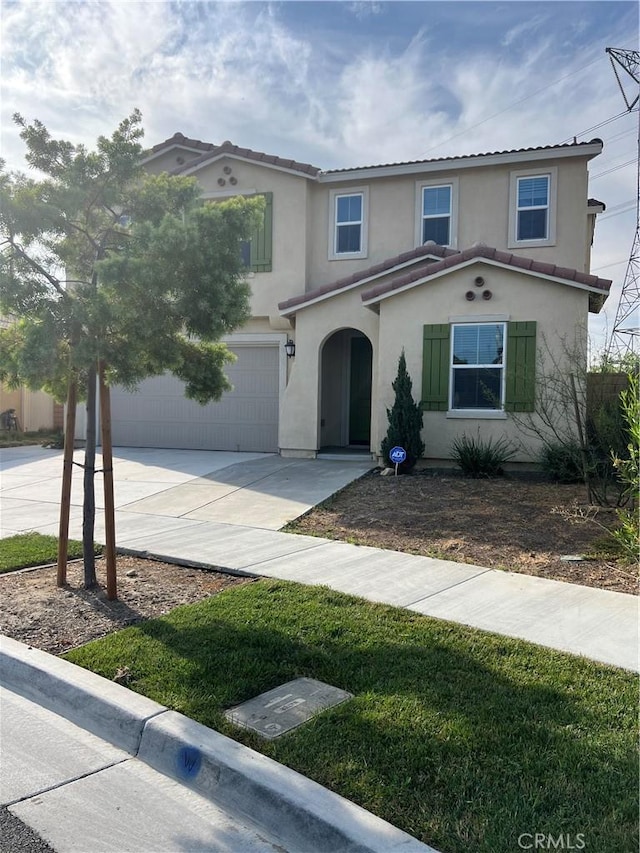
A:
x,y
256,253
348,224
436,214
477,366
533,208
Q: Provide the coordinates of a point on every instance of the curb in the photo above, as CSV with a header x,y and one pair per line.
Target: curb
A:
x,y
105,709
304,814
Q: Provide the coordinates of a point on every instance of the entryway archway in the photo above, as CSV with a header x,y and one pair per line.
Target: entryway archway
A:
x,y
346,362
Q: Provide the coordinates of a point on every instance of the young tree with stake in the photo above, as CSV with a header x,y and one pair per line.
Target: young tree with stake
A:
x,y
113,273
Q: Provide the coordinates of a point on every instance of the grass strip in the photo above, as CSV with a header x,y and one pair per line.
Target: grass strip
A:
x,y
32,549
462,738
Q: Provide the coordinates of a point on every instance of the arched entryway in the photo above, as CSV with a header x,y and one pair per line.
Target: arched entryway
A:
x,y
345,390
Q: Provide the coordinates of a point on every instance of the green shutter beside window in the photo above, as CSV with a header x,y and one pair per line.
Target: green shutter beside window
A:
x,y
520,393
435,368
261,241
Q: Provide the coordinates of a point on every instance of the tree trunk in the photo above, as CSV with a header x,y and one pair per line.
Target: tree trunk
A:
x,y
89,505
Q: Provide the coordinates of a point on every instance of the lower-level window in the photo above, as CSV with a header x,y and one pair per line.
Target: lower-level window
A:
x,y
477,366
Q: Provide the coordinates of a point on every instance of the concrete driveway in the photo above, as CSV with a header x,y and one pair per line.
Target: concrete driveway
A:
x,y
256,490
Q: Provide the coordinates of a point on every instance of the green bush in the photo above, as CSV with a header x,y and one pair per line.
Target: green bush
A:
x,y
405,421
561,461
627,534
479,458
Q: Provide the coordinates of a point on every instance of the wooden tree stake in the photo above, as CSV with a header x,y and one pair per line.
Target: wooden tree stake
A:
x,y
107,464
67,472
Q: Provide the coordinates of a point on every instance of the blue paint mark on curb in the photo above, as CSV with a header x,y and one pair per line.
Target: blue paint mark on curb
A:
x,y
188,762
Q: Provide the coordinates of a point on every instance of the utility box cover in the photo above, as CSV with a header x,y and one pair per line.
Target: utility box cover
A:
x,y
284,708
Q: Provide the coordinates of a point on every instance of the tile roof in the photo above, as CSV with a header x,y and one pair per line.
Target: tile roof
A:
x,y
480,251
432,258
210,150
466,156
421,252
227,147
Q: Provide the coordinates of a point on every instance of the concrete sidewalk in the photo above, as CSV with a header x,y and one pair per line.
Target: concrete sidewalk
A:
x,y
170,506
93,767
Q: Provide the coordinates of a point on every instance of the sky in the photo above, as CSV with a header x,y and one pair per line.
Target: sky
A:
x,y
338,84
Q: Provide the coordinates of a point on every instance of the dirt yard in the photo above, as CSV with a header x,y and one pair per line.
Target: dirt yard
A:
x,y
505,523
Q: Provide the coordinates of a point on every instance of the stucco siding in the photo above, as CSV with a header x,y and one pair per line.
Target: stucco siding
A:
x,y
484,209
559,311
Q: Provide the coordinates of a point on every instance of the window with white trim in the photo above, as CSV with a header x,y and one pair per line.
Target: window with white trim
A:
x,y
436,214
533,208
477,366
348,219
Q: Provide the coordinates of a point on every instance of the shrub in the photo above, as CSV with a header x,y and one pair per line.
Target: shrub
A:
x,y
479,458
405,421
627,534
561,461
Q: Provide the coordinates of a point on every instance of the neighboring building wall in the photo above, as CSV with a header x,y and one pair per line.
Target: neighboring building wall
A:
x,y
34,409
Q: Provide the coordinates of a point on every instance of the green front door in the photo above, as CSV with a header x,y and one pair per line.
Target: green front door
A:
x,y
360,392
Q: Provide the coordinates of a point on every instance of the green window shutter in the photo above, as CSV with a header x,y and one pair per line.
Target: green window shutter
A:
x,y
262,239
435,368
520,392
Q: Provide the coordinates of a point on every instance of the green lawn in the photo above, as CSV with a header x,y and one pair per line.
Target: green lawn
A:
x,y
32,549
464,739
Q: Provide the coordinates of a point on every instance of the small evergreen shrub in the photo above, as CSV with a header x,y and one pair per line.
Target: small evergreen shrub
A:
x,y
561,461
405,421
479,458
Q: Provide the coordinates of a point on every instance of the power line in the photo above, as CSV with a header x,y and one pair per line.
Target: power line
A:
x,y
611,215
612,264
511,106
599,125
613,169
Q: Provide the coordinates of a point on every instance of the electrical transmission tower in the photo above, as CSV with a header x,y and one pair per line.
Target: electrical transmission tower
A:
x,y
625,334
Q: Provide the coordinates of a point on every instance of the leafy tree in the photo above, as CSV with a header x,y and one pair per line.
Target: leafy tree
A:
x,y
405,420
105,266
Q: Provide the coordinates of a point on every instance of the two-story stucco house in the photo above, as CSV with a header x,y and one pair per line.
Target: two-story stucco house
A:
x,y
467,263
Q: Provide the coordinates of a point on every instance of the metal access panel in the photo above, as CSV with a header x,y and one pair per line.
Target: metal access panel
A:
x,y
245,419
284,708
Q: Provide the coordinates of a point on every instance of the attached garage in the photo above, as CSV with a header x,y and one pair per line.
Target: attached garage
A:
x,y
245,419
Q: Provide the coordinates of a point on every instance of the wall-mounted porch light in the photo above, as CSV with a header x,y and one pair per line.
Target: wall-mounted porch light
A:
x,y
290,348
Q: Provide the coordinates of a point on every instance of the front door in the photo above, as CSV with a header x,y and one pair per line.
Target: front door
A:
x,y
360,392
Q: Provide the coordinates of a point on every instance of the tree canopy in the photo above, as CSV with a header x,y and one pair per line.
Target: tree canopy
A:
x,y
102,261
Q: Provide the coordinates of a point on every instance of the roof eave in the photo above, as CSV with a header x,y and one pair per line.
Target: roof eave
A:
x,y
588,151
191,168
597,296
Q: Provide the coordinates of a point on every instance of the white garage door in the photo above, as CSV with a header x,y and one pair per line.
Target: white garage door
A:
x,y
159,415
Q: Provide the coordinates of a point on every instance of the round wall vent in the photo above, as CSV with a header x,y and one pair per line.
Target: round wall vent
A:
x,y
221,182
180,160
469,296
233,181
486,294
478,281
227,170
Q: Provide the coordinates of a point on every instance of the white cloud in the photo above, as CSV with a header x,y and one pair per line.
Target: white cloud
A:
x,y
334,97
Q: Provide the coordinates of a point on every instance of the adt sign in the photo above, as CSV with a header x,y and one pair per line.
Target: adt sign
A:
x,y
397,455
